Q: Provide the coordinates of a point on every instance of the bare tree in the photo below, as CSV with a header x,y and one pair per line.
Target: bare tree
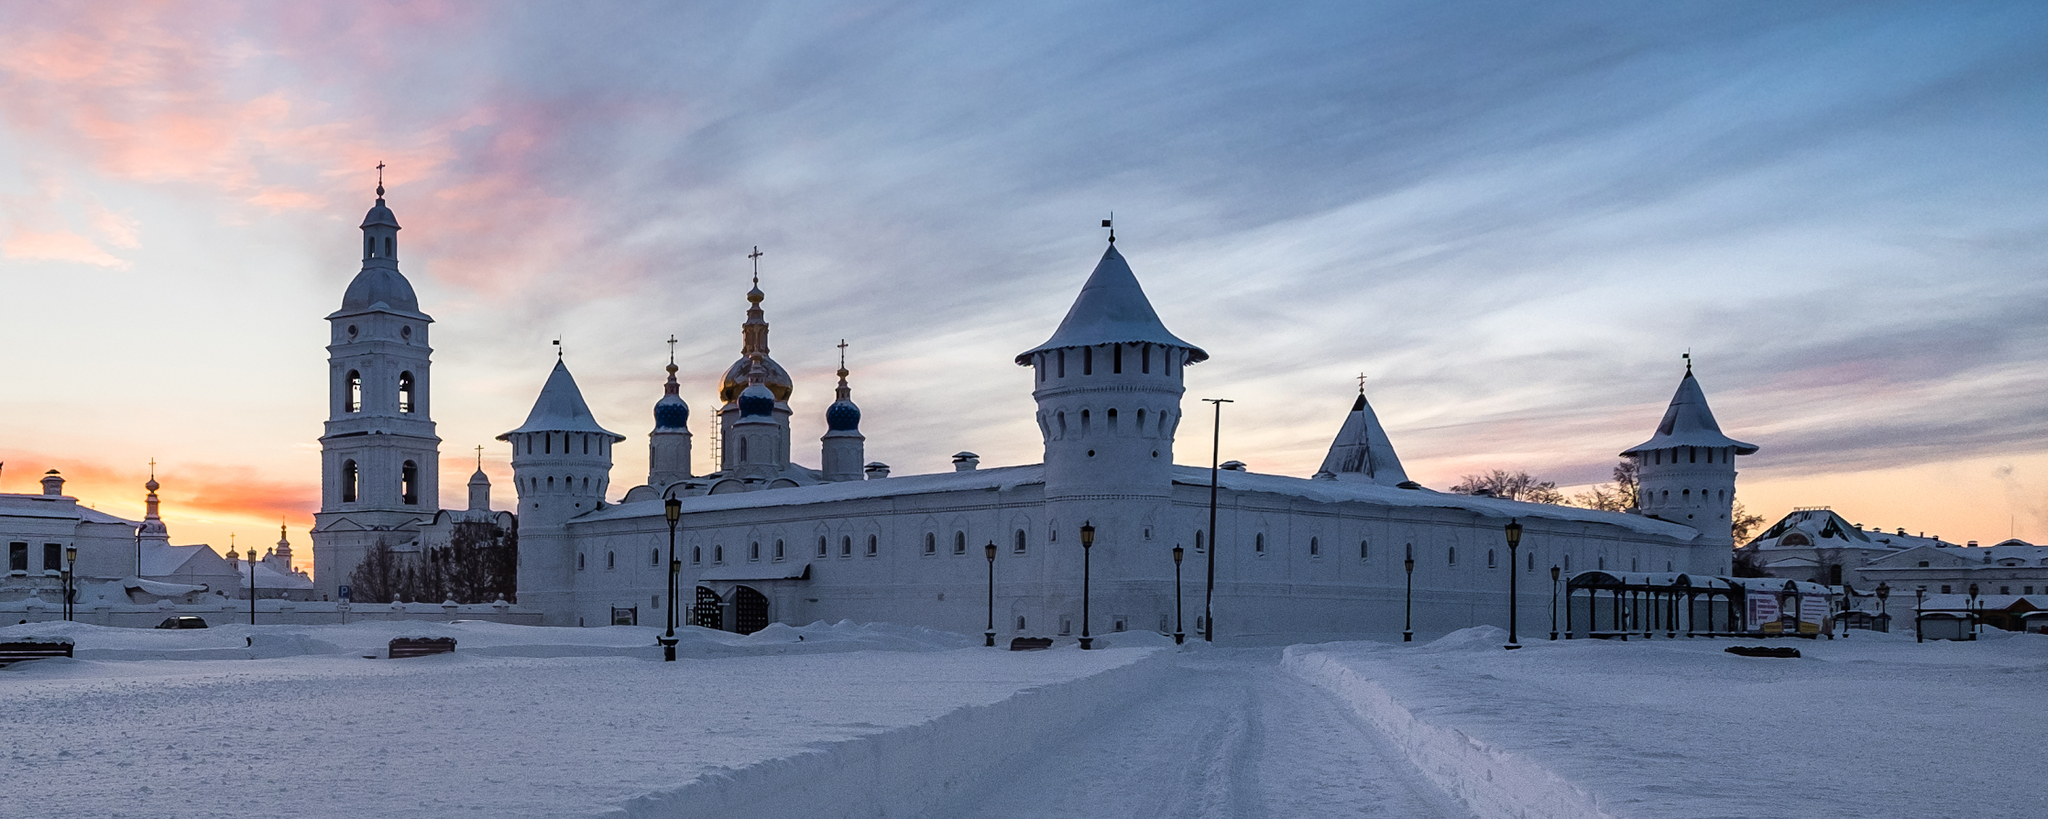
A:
x,y
380,578
1501,483
1619,496
1743,522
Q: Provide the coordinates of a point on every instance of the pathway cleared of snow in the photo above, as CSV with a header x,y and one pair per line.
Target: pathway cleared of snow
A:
x,y
1228,734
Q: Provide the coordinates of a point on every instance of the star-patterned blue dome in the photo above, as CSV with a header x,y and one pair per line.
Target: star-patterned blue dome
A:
x,y
756,400
842,416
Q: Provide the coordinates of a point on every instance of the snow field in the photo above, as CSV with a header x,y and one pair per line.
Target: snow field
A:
x,y
584,732
1874,725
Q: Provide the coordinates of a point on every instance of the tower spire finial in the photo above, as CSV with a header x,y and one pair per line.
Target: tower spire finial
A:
x,y
755,257
1688,360
479,457
1361,383
671,350
558,347
842,358
1111,224
380,179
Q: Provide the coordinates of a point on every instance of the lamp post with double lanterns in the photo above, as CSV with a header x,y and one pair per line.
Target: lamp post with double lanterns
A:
x,y
1514,533
1553,600
1179,636
1408,606
671,508
991,551
1884,593
1087,546
70,580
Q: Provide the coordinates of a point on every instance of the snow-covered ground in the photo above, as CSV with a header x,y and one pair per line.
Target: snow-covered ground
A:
x,y
1874,725
879,720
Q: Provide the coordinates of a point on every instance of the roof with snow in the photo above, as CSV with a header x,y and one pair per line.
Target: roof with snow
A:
x,y
1362,451
1112,309
1689,422
379,287
560,408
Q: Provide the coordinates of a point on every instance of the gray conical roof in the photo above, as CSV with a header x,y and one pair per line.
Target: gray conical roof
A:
x,y
560,408
1689,422
1112,309
1362,451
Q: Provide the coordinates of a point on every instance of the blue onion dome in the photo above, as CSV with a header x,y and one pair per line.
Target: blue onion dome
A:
x,y
842,416
756,400
671,413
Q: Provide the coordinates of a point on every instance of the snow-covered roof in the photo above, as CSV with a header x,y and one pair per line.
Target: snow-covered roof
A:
x,y
380,287
772,571
159,588
270,578
560,408
1689,422
1004,477
159,559
1362,451
1340,491
1112,309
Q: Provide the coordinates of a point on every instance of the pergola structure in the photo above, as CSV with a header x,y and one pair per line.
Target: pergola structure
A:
x,y
1644,603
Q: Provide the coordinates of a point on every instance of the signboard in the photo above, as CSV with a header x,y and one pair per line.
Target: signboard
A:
x,y
1763,613
344,591
1813,611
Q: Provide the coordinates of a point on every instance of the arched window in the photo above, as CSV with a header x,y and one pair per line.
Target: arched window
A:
x,y
1364,550
931,543
1315,547
1451,556
352,398
718,553
547,443
1063,423
611,560
579,561
778,550
405,392
1602,566
822,548
845,546
1146,360
959,543
1063,363
1141,420
1532,563
1490,559
1084,422
1116,358
369,246
390,247
874,546
348,481
1087,360
586,443
654,557
1020,541
1198,540
1259,543
1567,563
1111,416
743,450
754,550
408,483
1020,622
696,555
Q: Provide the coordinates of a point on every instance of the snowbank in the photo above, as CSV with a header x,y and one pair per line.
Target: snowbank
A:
x,y
1493,783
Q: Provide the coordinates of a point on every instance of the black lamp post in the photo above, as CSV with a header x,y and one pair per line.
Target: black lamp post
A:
x,y
1408,607
1209,590
1087,546
1179,636
1553,600
70,579
252,587
673,510
1973,611
1919,595
990,550
1514,532
1884,593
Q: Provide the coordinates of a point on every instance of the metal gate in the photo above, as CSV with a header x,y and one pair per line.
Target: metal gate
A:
x,y
749,610
709,611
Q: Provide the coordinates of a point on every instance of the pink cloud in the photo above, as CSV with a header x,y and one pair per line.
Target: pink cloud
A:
x,y
57,246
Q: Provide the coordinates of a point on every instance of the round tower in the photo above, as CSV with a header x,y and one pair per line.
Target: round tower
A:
x,y
845,449
1686,472
561,467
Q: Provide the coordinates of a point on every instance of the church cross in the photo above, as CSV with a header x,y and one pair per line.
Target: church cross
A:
x,y
479,457
756,258
380,177
842,354
671,348
152,469
1361,383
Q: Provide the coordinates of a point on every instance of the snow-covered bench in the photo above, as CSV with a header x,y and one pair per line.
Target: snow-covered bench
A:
x,y
403,647
11,653
1030,643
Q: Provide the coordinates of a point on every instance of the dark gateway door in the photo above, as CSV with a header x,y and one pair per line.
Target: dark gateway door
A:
x,y
749,610
708,611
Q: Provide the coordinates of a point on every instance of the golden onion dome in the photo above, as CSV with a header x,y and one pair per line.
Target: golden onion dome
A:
x,y
776,379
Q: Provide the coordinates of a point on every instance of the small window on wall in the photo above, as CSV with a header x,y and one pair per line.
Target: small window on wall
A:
x,y
405,403
408,483
1020,622
874,546
1020,541
348,481
754,551
53,557
718,553
1451,556
1567,563
959,543
17,558
352,398
1364,550
931,544
845,546
579,561
1602,564
822,548
1945,590
1259,543
611,561
654,558
696,555
778,550
1198,540
1489,559
1315,547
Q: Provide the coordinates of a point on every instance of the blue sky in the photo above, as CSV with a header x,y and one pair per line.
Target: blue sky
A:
x,y
1513,218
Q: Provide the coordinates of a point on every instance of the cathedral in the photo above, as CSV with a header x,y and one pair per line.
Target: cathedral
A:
x,y
1106,534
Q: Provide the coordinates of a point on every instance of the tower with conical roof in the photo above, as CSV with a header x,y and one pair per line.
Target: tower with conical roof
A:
x,y
379,456
561,467
1686,471
1108,387
668,445
845,449
1362,451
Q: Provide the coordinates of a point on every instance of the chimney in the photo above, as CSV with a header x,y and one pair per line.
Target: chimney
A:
x,y
876,470
965,461
53,483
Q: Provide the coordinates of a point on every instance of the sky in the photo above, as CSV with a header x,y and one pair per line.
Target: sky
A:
x,y
1514,219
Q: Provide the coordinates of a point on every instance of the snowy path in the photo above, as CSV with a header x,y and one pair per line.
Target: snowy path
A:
x,y
1268,744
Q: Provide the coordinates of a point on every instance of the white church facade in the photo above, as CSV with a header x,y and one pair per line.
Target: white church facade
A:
x,y
766,539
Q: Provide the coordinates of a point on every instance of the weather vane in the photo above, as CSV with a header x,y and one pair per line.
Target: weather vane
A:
x,y
1111,224
1688,359
558,347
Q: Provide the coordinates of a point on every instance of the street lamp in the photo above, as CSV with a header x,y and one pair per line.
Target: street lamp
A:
x,y
1179,636
1209,591
1919,595
1884,593
1973,611
1087,546
70,579
1408,608
672,508
1553,601
1514,533
990,550
252,587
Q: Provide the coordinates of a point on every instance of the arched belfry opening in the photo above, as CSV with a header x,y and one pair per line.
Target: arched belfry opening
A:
x,y
405,392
